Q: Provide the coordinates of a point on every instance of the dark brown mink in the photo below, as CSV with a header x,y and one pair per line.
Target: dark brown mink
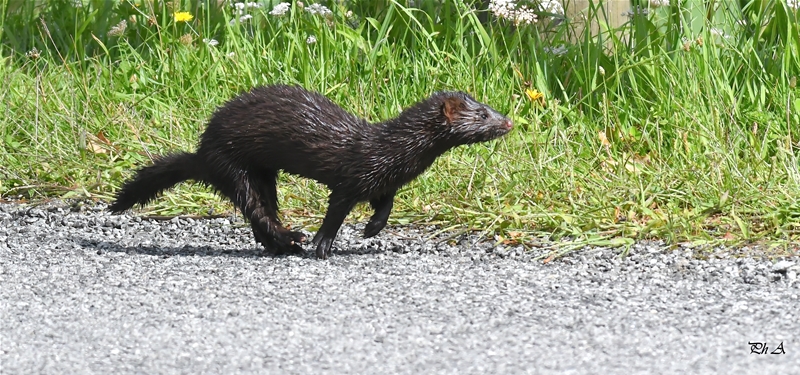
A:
x,y
256,134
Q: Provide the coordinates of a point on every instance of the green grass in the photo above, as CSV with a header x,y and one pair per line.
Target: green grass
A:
x,y
659,128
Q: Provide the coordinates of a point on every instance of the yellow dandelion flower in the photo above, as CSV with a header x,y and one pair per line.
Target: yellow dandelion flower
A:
x,y
535,96
182,16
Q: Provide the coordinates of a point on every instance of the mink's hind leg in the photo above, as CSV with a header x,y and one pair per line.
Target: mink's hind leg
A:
x,y
383,207
246,193
265,215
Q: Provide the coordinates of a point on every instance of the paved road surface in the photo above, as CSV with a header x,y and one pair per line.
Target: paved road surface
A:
x,y
89,293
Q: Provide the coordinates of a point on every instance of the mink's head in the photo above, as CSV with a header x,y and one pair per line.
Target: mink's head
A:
x,y
470,121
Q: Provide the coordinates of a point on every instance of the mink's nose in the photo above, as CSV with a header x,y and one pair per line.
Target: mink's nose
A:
x,y
508,124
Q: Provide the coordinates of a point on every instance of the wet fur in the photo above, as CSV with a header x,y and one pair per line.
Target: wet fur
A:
x,y
271,128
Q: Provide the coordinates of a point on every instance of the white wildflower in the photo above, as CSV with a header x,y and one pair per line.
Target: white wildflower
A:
x,y
238,9
509,10
231,54
242,19
319,9
210,42
118,29
280,9
311,39
659,3
719,33
794,4
601,70
558,51
77,3
551,6
241,7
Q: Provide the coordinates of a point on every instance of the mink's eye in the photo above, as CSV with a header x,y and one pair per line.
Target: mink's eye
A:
x,y
484,115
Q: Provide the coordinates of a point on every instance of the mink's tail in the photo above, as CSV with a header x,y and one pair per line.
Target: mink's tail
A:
x,y
150,181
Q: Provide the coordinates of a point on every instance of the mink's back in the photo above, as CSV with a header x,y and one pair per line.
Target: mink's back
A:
x,y
288,128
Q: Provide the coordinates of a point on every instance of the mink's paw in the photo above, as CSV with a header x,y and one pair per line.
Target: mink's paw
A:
x,y
324,249
373,228
296,237
281,246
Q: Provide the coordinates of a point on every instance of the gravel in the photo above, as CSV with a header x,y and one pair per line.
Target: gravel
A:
x,y
85,292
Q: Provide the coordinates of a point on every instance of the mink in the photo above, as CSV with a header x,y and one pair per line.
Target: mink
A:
x,y
272,128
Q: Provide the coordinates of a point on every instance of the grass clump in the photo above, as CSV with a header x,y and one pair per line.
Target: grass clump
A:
x,y
679,123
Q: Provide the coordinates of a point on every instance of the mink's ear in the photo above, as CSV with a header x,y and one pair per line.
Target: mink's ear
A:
x,y
452,106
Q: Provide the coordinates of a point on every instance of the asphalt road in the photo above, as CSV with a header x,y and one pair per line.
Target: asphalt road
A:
x,y
89,293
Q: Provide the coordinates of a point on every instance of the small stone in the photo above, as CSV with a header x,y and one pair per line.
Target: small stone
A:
x,y
782,266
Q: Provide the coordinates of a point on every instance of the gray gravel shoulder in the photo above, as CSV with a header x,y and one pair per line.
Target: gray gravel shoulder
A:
x,y
87,292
